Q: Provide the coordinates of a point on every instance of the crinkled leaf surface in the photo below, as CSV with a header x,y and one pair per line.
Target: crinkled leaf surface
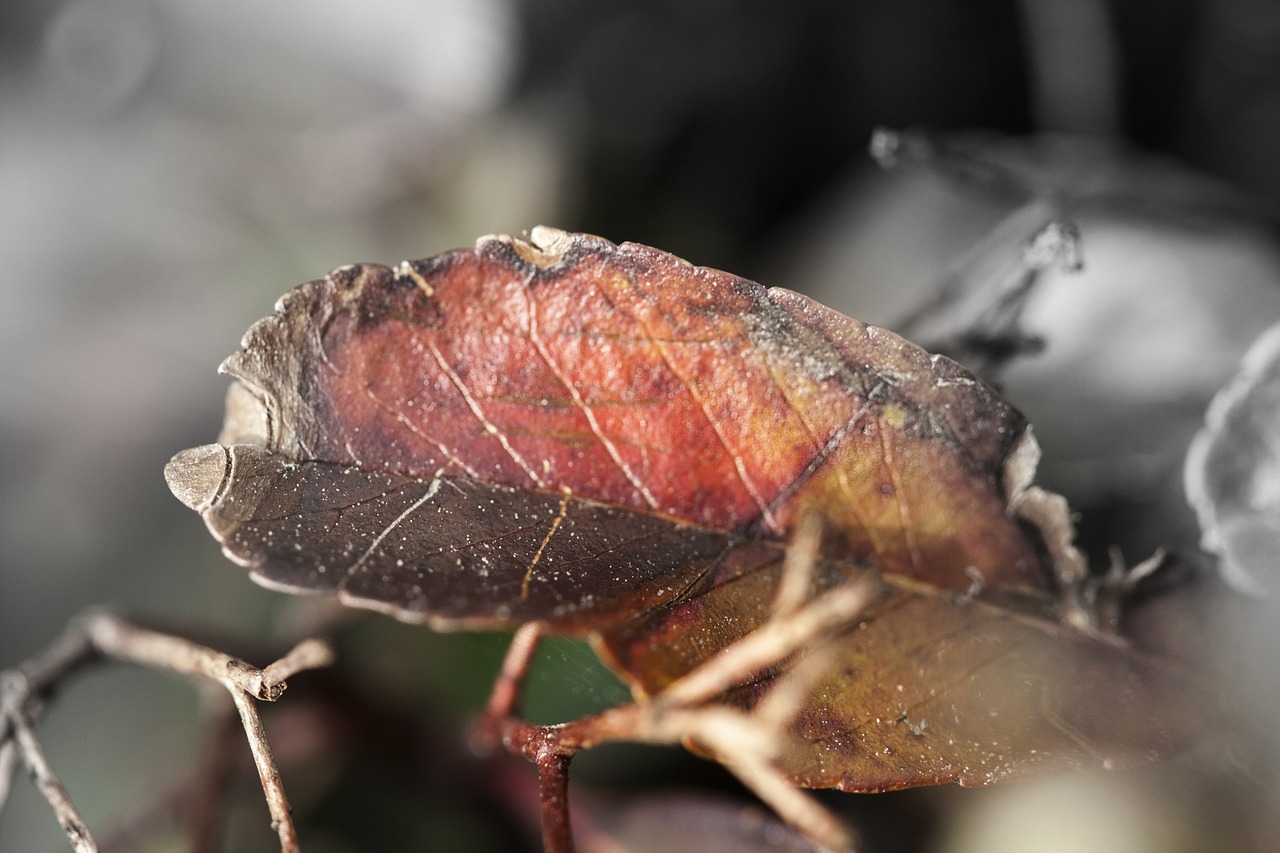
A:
x,y
1233,470
610,441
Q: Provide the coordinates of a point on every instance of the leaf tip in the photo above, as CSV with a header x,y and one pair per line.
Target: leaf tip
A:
x,y
196,476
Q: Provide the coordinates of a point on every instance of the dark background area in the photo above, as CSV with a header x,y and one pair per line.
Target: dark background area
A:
x,y
167,169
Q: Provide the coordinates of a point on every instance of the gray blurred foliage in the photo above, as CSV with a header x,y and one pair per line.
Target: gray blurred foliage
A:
x,y
169,167
1233,471
1178,276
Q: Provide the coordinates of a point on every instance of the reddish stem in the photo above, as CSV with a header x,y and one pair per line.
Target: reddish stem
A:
x,y
553,786
507,687
552,748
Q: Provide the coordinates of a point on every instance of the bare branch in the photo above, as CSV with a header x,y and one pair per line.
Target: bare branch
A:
x,y
311,653
13,693
770,643
98,633
8,764
796,584
272,787
749,751
504,697
747,742
118,639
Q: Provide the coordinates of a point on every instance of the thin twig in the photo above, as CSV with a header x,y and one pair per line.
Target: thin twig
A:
x,y
272,787
749,750
770,643
311,653
120,640
98,633
15,690
796,584
22,693
8,764
504,696
749,743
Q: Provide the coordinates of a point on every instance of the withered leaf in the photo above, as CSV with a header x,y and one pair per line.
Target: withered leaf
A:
x,y
931,687
610,441
1232,472
454,550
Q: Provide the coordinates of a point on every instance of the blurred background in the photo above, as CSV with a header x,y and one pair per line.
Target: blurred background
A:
x,y
169,167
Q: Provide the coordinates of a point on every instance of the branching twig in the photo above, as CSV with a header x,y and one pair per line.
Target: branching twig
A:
x,y
12,689
504,697
748,742
101,634
769,644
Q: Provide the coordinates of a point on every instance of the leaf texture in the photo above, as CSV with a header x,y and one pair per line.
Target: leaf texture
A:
x,y
611,441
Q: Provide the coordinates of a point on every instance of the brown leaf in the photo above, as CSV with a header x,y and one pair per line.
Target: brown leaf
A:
x,y
452,551
930,686
608,440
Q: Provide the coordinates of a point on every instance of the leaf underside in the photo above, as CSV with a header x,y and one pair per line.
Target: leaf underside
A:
x,y
612,442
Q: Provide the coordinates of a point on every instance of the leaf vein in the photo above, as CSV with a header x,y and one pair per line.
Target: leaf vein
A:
x,y
610,447
488,426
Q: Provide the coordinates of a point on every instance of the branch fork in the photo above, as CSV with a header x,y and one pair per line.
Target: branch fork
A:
x,y
99,634
748,743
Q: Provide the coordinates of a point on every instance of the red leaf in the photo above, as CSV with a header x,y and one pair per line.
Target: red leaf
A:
x,y
608,440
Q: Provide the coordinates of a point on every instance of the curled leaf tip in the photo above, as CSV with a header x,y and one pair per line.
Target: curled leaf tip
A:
x,y
195,476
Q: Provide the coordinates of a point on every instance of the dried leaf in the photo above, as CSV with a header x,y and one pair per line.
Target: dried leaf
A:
x,y
608,440
1233,470
929,686
453,551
